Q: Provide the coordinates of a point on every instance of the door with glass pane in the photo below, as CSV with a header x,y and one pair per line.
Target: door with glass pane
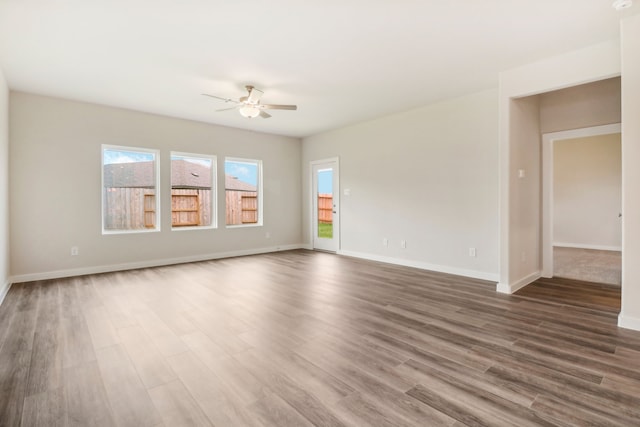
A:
x,y
326,203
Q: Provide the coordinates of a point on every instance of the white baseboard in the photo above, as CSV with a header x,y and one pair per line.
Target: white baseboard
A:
x,y
583,246
506,288
4,288
503,288
628,322
424,266
145,264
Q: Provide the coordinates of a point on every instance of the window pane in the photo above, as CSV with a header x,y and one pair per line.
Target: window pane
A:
x,y
130,185
192,190
325,203
242,188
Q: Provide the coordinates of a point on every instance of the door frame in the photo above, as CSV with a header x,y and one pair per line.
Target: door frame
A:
x,y
336,200
548,140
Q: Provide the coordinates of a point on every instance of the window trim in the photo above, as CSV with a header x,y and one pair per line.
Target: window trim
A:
x,y
259,188
158,213
214,190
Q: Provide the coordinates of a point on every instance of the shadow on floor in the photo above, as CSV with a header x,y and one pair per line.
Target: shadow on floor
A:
x,y
577,293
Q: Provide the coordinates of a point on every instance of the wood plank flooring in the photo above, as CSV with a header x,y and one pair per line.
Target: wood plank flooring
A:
x,y
304,338
578,293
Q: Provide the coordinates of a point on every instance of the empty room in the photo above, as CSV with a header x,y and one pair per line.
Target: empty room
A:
x,y
333,214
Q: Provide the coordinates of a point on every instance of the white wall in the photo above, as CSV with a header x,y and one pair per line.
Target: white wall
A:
x,y
4,186
582,66
587,193
630,313
427,176
55,188
524,238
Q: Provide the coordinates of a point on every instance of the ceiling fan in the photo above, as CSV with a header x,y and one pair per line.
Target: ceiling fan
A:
x,y
249,106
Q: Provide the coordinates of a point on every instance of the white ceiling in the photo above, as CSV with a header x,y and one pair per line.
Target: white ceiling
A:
x,y
340,61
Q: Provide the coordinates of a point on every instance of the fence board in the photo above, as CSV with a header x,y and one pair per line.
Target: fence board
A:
x,y
185,210
249,203
190,207
125,208
134,208
242,207
325,208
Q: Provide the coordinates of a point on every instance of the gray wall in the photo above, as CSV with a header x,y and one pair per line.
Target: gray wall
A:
x,y
55,188
428,176
4,186
591,104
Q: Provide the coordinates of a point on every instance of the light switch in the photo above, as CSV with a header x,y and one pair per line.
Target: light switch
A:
x,y
521,173
347,192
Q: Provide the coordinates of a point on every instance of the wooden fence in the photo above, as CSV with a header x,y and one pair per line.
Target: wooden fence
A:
x,y
325,208
242,207
190,207
135,208
129,208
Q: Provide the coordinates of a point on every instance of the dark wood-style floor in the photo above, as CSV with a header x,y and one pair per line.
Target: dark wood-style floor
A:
x,y
577,293
304,338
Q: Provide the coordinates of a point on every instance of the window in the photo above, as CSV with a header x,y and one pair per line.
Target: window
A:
x,y
243,189
130,201
192,190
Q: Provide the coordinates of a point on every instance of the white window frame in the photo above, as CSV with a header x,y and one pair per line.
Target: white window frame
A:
x,y
214,190
259,188
158,221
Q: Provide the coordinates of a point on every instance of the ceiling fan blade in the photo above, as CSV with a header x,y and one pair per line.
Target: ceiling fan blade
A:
x,y
220,98
226,109
278,107
254,95
264,114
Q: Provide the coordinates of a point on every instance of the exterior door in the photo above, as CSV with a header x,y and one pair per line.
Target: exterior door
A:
x,y
325,205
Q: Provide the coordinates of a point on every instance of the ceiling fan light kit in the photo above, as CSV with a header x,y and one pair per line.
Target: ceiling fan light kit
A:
x,y
622,4
249,111
249,106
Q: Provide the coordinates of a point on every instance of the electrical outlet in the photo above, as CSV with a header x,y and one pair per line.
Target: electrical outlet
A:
x,y
472,252
385,241
74,251
403,244
267,235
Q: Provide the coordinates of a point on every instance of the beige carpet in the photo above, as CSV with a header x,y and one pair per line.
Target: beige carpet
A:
x,y
588,264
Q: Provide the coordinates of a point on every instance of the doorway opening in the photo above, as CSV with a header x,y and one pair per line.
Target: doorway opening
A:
x,y
582,187
325,194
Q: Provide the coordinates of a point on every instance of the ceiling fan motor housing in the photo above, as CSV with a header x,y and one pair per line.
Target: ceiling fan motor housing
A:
x,y
249,105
